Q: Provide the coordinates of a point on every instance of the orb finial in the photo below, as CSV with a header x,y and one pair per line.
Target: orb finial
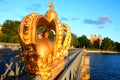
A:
x,y
51,14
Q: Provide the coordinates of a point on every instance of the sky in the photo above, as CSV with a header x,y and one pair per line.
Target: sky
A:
x,y
84,17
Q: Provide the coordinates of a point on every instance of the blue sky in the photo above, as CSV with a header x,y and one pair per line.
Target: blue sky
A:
x,y
84,17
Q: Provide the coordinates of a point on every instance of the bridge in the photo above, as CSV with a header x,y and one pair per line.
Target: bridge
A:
x,y
77,67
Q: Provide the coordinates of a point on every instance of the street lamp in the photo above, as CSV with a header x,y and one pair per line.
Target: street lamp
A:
x,y
100,41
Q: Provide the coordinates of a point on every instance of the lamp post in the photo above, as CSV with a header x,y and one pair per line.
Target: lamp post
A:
x,y
100,42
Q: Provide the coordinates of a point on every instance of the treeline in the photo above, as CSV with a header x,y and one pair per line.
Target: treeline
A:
x,y
10,35
107,43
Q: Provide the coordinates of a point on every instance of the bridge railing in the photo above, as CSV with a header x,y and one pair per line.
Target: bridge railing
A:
x,y
13,46
76,68
72,68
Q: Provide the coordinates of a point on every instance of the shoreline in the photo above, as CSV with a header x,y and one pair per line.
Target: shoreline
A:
x,y
101,51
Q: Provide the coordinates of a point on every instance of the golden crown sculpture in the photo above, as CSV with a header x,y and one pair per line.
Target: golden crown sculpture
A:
x,y
41,55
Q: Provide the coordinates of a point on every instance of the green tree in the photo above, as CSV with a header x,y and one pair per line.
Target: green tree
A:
x,y
10,31
74,40
108,44
14,39
117,46
96,44
84,41
3,38
51,35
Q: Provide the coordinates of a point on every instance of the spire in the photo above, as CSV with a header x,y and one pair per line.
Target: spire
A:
x,y
51,6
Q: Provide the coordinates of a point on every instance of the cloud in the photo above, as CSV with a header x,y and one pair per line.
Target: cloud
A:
x,y
64,19
67,19
101,21
34,7
76,19
90,21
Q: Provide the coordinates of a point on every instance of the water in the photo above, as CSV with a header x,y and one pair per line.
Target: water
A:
x,y
105,66
8,58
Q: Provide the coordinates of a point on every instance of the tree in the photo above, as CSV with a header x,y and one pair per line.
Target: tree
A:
x,y
3,38
51,35
96,44
10,31
84,41
117,46
74,40
108,44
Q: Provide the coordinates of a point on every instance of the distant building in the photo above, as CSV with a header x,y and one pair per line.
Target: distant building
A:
x,y
94,38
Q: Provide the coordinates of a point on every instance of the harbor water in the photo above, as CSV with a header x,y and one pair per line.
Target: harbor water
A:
x,y
104,66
